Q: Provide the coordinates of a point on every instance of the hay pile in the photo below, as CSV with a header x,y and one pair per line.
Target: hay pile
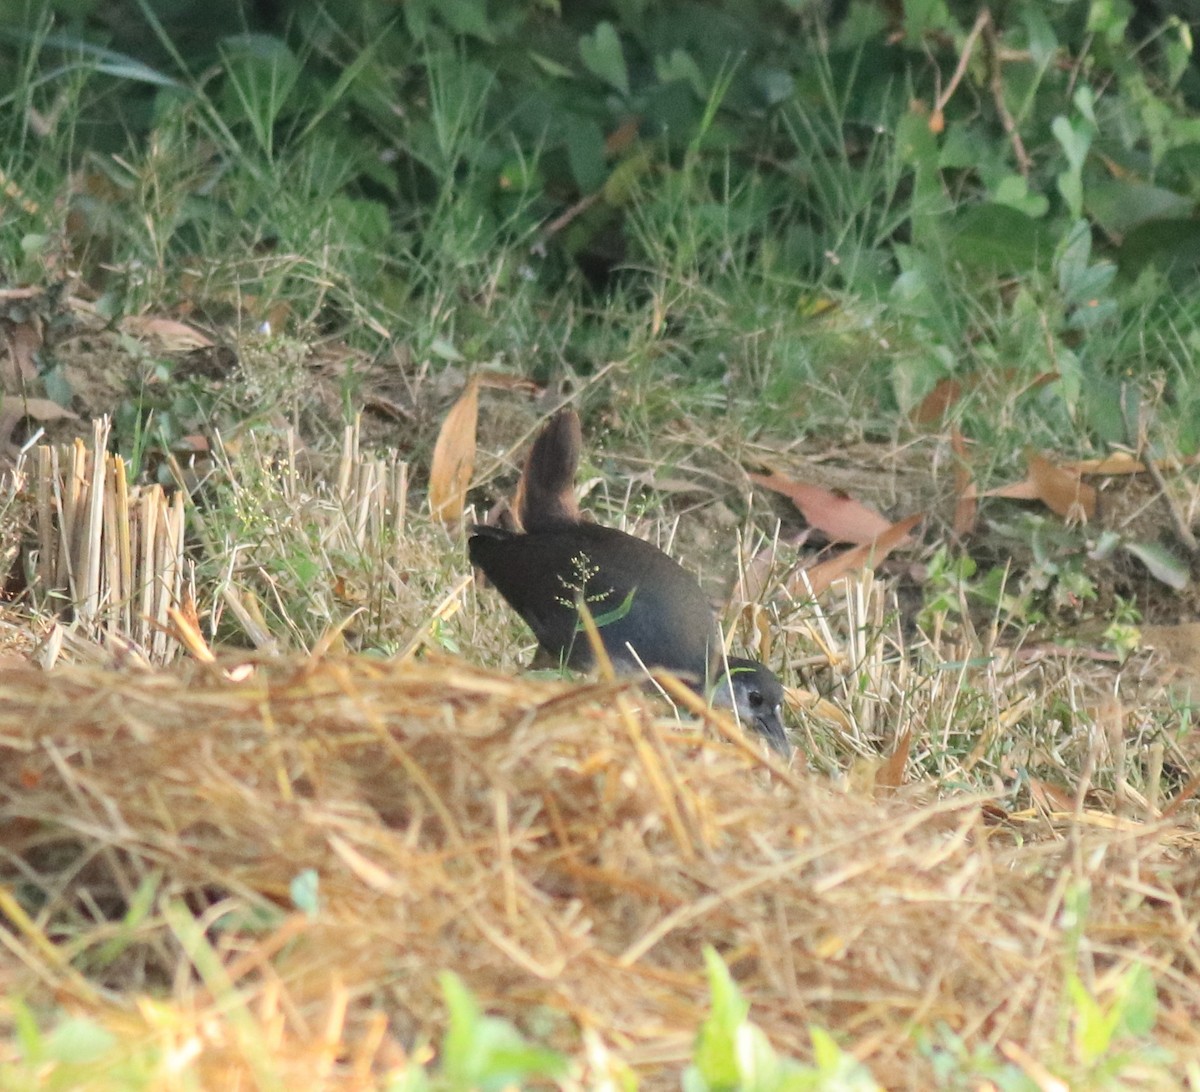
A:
x,y
564,849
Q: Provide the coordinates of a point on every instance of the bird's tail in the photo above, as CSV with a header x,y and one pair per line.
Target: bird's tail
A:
x,y
546,492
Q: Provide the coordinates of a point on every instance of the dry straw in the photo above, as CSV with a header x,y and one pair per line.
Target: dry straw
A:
x,y
110,556
567,849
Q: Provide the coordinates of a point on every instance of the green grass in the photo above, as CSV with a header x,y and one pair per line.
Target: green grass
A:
x,y
815,280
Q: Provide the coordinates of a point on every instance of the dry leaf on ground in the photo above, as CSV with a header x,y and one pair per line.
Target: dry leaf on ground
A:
x,y
821,576
170,333
840,517
1059,488
454,458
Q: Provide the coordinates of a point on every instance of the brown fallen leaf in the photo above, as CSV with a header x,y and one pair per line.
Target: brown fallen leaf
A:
x,y
821,576
1115,465
185,628
1061,490
506,381
840,517
622,136
170,333
14,410
39,409
1025,489
1049,796
24,340
752,581
1123,463
890,775
933,407
454,458
26,293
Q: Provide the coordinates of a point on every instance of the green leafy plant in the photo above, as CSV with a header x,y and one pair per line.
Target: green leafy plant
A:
x,y
483,1052
732,1053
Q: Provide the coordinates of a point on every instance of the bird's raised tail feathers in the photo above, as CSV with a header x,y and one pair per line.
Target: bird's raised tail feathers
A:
x,y
546,493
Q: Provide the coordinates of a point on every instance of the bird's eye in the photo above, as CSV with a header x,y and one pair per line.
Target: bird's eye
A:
x,y
755,698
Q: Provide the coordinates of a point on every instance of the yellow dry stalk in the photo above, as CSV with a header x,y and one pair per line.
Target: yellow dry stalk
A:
x,y
110,556
372,491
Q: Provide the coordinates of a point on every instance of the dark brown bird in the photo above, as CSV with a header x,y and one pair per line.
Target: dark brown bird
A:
x,y
649,610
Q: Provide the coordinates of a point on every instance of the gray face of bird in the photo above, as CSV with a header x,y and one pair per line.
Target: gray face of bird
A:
x,y
757,698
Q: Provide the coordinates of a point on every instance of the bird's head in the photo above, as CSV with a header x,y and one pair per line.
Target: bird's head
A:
x,y
755,693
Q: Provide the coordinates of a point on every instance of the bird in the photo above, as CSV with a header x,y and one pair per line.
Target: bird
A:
x,y
650,612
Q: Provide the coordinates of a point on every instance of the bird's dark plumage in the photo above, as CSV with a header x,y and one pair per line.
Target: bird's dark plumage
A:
x,y
650,612
546,491
646,606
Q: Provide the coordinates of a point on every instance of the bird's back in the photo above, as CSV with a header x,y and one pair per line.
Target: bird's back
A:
x,y
639,597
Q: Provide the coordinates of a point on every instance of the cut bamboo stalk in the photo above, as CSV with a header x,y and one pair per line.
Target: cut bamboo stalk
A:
x,y
111,556
127,576
47,562
95,521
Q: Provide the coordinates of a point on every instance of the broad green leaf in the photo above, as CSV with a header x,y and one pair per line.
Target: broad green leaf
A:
x,y
926,17
1073,255
78,1040
776,84
1164,566
1119,205
681,66
1075,138
716,1053
1138,1001
463,1017
918,146
915,140
57,384
626,176
444,349
1094,1027
485,1052
837,1068
963,146
1013,190
1108,19
602,56
467,17
1171,245
585,154
1042,41
551,67
1087,285
998,237
1091,313
1084,100
1177,48
1123,401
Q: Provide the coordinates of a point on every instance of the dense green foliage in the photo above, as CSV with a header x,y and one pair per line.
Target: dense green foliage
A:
x,y
685,186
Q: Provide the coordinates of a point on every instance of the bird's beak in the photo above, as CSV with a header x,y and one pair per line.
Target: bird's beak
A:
x,y
770,727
